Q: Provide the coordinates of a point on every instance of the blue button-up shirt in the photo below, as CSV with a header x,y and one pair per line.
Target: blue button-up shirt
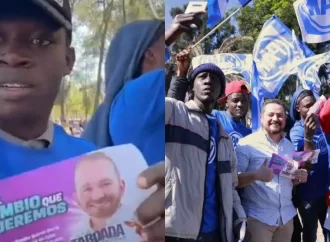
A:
x,y
268,202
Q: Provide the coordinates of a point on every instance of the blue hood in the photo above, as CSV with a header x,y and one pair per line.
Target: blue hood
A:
x,y
294,115
122,65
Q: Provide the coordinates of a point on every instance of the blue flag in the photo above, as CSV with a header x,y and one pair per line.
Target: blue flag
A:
x,y
257,99
229,63
274,56
217,9
314,21
308,72
301,51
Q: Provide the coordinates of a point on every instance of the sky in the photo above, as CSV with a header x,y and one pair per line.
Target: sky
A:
x,y
169,4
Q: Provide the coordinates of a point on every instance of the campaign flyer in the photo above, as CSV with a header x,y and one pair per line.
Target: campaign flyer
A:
x,y
306,156
283,166
90,198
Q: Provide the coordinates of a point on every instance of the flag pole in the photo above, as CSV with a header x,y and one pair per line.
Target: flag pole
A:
x,y
219,25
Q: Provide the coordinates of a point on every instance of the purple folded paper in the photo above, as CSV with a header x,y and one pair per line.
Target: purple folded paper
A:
x,y
89,198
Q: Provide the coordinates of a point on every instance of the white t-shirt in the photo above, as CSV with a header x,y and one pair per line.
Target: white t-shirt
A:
x,y
115,230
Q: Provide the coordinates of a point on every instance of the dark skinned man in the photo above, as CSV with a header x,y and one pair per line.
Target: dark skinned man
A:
x,y
306,135
201,201
35,55
237,106
236,99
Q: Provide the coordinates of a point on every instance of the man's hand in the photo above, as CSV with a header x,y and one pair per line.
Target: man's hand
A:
x,y
183,62
180,24
301,175
310,126
151,213
264,173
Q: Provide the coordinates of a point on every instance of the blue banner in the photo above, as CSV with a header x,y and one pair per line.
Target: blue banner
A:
x,y
228,63
308,71
257,99
275,56
217,9
314,21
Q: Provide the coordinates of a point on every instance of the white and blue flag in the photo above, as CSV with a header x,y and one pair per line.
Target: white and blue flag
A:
x,y
257,98
275,56
314,21
217,9
308,72
228,63
300,51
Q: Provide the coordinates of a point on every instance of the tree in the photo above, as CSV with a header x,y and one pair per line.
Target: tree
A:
x,y
97,17
237,44
102,18
62,97
211,43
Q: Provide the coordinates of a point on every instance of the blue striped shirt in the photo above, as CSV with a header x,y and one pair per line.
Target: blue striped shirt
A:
x,y
268,202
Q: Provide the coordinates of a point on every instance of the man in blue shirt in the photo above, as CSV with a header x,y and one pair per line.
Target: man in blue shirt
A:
x,y
237,106
36,53
307,135
268,204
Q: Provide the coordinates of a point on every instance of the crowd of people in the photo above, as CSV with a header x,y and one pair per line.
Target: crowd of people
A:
x,y
74,127
211,167
219,186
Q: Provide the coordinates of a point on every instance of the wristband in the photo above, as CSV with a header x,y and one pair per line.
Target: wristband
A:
x,y
308,140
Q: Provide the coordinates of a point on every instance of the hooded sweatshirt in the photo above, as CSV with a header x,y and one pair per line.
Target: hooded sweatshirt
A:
x,y
317,182
133,110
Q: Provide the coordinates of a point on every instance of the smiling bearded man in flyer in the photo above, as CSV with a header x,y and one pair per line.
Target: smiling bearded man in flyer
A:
x,y
99,190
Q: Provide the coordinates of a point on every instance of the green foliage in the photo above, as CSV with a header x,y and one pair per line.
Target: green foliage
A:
x,y
94,24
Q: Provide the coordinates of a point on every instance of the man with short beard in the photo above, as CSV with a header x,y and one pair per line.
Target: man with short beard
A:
x,y
99,190
268,205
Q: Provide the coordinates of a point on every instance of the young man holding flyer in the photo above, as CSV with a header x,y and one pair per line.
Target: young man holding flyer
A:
x,y
268,205
35,56
306,135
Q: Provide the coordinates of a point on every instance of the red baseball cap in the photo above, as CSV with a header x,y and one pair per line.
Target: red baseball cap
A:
x,y
234,87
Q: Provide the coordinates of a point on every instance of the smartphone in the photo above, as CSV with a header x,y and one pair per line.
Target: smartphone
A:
x,y
194,7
